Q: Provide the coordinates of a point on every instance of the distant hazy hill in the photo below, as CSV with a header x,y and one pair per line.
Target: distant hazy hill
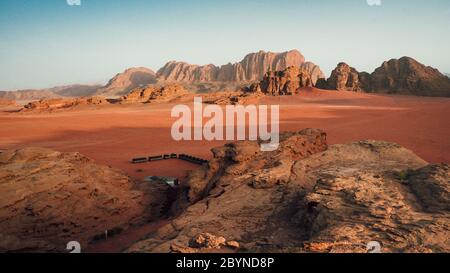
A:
x,y
122,83
76,90
128,80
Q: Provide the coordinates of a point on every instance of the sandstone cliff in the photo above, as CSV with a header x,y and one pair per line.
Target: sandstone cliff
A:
x,y
251,68
344,78
288,81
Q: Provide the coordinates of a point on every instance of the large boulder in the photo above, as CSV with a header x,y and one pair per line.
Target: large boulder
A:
x,y
344,78
286,82
48,199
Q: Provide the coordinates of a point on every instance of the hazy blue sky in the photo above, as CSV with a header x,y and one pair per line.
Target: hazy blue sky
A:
x,y
47,42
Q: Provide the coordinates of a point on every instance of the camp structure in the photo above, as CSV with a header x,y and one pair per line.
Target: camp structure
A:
x,y
171,181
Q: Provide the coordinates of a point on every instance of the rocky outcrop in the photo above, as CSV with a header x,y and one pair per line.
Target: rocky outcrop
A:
x,y
343,78
288,81
50,198
313,71
54,104
251,68
155,94
183,72
205,242
403,76
128,80
307,197
407,76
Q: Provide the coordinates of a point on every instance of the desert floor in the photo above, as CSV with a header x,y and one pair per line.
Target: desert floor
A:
x,y
114,134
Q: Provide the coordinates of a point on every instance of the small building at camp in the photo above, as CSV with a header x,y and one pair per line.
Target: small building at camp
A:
x,y
171,181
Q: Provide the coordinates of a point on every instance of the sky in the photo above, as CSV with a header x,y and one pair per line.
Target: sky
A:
x,y
48,43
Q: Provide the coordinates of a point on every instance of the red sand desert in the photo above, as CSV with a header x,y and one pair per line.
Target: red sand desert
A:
x,y
114,134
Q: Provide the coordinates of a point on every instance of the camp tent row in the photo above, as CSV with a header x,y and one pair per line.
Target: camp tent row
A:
x,y
184,157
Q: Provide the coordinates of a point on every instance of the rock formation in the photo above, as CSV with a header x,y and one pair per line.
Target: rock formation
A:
x,y
288,81
307,197
231,98
50,198
403,76
251,68
314,72
155,94
343,78
205,242
130,79
407,76
54,104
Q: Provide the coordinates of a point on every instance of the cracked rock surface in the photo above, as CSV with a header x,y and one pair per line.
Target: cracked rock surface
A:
x,y
310,197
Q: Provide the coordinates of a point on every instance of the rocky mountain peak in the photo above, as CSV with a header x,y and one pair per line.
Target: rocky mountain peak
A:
x,y
251,68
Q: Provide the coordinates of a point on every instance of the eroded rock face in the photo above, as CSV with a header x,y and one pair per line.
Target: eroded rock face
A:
x,y
251,68
49,198
407,76
313,71
54,104
157,94
128,80
288,81
306,197
344,78
205,242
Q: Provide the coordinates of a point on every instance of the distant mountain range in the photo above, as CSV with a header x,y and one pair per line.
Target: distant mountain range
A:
x,y
121,84
403,76
76,90
198,78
